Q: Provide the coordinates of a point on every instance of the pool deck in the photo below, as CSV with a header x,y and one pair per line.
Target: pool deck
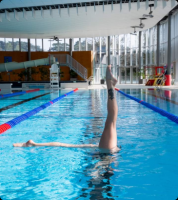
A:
x,y
131,86
120,86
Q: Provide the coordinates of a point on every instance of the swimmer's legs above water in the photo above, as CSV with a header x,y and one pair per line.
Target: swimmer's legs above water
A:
x,y
108,139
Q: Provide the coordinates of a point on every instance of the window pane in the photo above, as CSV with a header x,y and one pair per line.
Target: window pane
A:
x,y
39,44
127,49
46,45
97,44
76,44
111,45
2,44
32,45
83,44
24,44
90,44
144,39
67,44
54,45
103,44
97,59
133,57
117,44
144,57
122,58
9,45
61,44
122,42
16,44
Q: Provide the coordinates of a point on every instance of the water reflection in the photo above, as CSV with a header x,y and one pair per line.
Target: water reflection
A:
x,y
100,168
100,172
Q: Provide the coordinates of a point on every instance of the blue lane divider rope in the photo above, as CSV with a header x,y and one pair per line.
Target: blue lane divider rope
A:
x,y
170,116
4,127
17,93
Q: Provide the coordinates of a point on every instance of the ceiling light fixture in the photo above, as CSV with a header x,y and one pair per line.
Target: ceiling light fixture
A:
x,y
134,33
54,39
141,24
150,13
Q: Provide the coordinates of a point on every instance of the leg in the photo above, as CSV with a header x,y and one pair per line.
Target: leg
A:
x,y
31,143
109,137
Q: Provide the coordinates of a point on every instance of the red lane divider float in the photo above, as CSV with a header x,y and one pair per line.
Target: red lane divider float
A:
x,y
17,93
34,90
4,127
170,116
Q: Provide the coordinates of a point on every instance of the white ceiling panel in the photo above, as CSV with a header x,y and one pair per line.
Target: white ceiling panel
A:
x,y
29,3
82,24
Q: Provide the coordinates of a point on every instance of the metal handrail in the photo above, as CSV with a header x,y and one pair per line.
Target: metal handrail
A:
x,y
72,63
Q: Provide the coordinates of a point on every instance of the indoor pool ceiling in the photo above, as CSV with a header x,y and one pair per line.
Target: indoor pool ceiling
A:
x,y
71,22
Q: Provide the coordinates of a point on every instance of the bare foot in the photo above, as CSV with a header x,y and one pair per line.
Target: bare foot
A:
x,y
110,77
27,144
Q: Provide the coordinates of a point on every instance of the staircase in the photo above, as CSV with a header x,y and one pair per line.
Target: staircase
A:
x,y
67,60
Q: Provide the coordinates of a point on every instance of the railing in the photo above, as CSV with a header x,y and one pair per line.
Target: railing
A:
x,y
65,59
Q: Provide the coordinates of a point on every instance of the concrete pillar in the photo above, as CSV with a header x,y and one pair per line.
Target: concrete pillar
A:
x,y
64,44
131,74
139,52
29,50
42,45
71,45
158,45
29,58
119,75
20,44
176,73
168,74
86,44
109,56
79,44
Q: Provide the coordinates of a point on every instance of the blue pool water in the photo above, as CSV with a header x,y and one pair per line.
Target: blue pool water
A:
x,y
146,167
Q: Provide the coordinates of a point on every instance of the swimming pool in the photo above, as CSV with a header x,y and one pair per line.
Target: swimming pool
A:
x,y
145,168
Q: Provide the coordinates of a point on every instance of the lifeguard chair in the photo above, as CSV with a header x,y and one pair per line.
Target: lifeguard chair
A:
x,y
54,76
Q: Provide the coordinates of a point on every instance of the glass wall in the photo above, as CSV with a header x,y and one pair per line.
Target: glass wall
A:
x,y
54,45
24,44
90,44
76,44
9,44
61,45
121,50
46,45
16,44
124,50
174,37
83,44
33,44
39,45
2,44
163,42
67,45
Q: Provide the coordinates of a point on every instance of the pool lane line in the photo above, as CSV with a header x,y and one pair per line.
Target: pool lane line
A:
x,y
170,116
17,93
4,127
21,102
163,98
